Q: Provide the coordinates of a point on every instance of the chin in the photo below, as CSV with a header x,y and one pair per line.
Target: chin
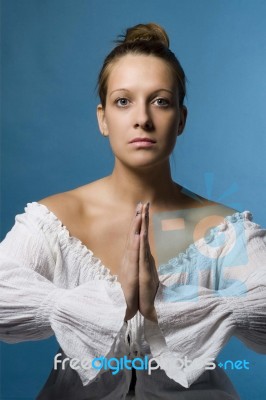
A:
x,y
146,164
141,160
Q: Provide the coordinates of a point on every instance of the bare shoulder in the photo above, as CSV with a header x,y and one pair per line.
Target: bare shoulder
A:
x,y
71,205
203,213
217,208
63,205
194,201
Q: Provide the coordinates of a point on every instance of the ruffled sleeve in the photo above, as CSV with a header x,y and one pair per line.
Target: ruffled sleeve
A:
x,y
195,322
86,319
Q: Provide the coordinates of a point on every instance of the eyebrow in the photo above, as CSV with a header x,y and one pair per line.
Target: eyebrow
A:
x,y
155,91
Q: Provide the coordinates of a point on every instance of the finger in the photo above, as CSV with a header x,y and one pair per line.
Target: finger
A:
x,y
145,220
146,226
144,243
137,220
135,224
133,239
148,268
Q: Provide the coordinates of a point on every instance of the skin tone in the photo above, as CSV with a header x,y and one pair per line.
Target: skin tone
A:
x,y
141,103
142,119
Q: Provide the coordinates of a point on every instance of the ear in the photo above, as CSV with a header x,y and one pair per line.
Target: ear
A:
x,y
101,120
182,120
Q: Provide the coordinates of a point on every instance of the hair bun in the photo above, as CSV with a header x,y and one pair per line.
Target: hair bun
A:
x,y
151,31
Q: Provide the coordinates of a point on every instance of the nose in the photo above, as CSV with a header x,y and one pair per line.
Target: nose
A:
x,y
143,118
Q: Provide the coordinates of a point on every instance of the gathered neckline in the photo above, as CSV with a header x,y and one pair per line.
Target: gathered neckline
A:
x,y
104,271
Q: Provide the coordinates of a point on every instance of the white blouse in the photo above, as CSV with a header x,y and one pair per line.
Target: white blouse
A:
x,y
50,283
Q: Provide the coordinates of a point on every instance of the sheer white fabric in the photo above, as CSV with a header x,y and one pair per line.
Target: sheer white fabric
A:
x,y
52,284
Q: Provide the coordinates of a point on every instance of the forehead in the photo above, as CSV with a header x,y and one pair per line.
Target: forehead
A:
x,y
134,71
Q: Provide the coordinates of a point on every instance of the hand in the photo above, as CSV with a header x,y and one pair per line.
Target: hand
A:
x,y
129,268
148,276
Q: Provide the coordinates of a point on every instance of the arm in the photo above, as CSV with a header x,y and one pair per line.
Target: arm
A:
x,y
85,319
196,321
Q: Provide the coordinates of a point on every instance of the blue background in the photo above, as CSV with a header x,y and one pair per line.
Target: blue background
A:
x,y
52,51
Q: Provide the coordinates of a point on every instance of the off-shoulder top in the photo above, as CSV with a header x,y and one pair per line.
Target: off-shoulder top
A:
x,y
50,283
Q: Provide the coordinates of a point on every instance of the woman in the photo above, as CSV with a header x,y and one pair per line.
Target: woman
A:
x,y
168,300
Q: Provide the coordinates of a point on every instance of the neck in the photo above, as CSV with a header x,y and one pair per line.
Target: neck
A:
x,y
147,184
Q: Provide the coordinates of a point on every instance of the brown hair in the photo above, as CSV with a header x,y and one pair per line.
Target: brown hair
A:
x,y
147,39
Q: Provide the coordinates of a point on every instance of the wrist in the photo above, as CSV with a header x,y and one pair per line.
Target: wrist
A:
x,y
151,315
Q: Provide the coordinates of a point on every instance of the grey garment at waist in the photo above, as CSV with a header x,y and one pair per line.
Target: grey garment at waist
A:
x,y
211,385
66,385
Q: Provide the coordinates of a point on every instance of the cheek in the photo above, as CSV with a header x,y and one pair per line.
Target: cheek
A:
x,y
116,122
172,142
175,121
172,131
170,125
117,136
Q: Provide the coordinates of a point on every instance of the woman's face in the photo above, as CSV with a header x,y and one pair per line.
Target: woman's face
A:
x,y
142,116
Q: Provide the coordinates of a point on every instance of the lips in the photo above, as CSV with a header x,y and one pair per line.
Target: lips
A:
x,y
139,139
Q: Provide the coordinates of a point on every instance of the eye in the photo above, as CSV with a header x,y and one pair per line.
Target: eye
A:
x,y
161,102
122,102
